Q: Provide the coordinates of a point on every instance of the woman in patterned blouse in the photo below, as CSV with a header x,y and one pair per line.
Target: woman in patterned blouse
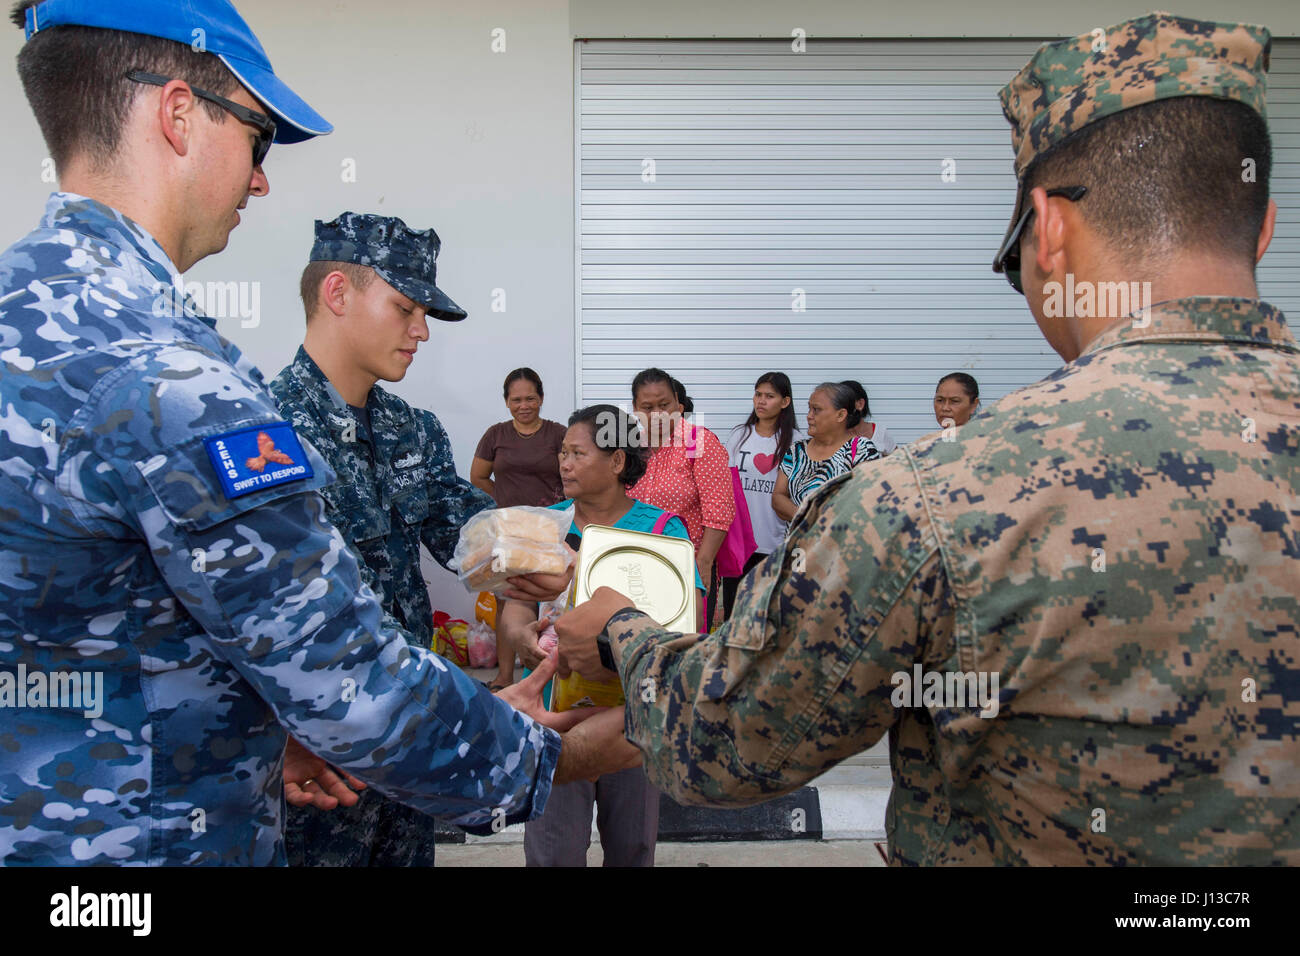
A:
x,y
830,449
688,472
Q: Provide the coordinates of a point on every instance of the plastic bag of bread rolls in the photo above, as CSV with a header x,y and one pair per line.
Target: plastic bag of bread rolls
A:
x,y
501,543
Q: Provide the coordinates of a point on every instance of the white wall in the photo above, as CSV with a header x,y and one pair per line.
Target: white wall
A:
x,y
479,145
445,133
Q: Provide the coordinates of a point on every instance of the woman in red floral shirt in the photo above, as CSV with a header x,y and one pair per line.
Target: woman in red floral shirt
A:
x,y
688,472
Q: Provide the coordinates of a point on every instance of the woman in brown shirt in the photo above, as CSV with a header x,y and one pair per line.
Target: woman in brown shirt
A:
x,y
517,462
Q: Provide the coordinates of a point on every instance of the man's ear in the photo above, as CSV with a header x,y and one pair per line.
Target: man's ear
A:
x,y
334,291
1049,231
1266,230
177,108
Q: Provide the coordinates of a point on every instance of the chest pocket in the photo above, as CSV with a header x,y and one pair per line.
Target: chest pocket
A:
x,y
413,506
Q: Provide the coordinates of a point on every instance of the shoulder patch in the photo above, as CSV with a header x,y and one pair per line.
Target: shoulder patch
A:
x,y
262,456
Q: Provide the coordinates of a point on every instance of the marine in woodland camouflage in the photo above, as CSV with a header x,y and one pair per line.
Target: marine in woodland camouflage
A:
x,y
1118,544
396,487
1161,688
217,623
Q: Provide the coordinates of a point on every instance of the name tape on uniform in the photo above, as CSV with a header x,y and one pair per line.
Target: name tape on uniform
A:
x,y
256,458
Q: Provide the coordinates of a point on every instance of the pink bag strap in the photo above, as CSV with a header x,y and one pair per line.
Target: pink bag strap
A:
x,y
662,522
853,449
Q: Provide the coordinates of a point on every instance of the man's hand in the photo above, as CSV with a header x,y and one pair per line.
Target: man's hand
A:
x,y
526,697
541,587
578,630
310,781
596,747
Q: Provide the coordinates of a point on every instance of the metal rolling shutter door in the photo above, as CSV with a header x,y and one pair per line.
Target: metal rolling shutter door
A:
x,y
820,171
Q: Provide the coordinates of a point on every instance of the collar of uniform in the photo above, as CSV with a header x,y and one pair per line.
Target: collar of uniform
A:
x,y
320,391
1202,319
387,412
317,389
93,219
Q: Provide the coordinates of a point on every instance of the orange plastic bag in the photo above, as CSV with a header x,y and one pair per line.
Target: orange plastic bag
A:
x,y
485,609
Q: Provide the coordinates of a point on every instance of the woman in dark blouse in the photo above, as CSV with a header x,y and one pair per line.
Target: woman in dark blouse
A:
x,y
517,462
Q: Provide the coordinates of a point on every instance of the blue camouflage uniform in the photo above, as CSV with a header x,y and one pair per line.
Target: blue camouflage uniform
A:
x,y
161,526
397,487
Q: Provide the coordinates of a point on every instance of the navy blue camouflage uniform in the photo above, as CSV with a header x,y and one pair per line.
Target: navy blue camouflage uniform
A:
x,y
396,488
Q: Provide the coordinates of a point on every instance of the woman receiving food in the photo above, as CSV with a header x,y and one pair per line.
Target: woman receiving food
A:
x,y
599,460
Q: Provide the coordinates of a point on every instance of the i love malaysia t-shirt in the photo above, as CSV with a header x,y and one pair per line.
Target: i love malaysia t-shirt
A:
x,y
756,459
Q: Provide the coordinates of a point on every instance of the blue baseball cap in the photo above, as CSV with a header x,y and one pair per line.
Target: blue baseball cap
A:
x,y
214,26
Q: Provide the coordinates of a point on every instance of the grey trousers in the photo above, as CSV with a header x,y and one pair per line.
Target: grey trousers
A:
x,y
627,816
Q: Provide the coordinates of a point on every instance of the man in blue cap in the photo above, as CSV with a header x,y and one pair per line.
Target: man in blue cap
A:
x,y
368,290
172,596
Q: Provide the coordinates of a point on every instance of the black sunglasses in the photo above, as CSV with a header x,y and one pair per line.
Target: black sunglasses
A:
x,y
1007,260
265,125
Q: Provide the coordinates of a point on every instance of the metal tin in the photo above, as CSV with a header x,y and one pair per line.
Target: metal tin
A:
x,y
655,571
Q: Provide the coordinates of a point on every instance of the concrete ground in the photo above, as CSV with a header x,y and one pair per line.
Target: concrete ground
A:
x,y
768,853
851,800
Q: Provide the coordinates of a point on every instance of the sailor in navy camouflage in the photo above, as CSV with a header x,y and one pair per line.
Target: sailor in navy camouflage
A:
x,y
396,488
161,525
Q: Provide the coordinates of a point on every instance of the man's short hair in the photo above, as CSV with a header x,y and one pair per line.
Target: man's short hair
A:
x,y
1167,176
315,273
75,80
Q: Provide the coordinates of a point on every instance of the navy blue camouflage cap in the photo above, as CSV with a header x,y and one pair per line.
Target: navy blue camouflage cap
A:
x,y
405,258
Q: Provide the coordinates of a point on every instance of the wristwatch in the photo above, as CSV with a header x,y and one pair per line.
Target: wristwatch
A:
x,y
602,639
606,652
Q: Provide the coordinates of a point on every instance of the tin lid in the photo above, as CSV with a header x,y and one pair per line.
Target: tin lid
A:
x,y
654,584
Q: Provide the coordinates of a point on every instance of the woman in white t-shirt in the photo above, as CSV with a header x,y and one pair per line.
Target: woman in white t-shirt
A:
x,y
867,428
756,449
